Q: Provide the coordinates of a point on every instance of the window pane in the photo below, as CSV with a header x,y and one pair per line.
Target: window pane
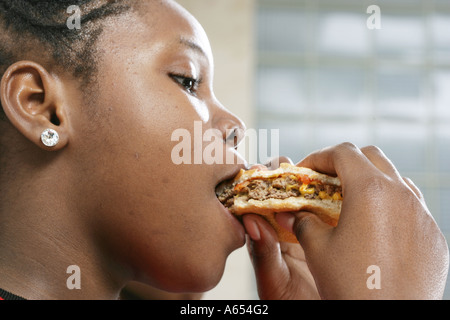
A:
x,y
343,33
330,134
295,138
440,28
281,89
400,2
400,93
442,94
401,36
282,30
444,219
339,91
440,25
404,144
443,145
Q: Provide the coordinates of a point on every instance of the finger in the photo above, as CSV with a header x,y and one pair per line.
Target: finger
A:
x,y
271,165
275,163
340,160
379,159
249,244
262,234
415,189
258,167
265,252
307,227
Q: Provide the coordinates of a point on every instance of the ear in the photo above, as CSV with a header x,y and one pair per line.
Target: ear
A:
x,y
32,100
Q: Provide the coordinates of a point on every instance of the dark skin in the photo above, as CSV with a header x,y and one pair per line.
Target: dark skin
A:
x,y
109,198
113,210
384,222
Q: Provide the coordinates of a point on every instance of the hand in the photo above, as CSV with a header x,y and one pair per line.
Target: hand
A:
x,y
280,268
384,222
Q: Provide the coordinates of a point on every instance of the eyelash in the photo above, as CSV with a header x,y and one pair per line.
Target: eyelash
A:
x,y
187,83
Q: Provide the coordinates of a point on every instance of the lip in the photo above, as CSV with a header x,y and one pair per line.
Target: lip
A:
x,y
237,225
231,175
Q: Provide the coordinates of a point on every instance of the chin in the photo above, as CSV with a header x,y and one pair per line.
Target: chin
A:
x,y
197,279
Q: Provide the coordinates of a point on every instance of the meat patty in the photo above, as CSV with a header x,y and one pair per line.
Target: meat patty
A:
x,y
281,187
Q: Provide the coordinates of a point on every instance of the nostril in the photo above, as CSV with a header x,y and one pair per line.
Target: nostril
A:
x,y
232,128
240,133
234,136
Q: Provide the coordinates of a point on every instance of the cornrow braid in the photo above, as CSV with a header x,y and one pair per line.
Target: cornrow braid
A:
x,y
23,22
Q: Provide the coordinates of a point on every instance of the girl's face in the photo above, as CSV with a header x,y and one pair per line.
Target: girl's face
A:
x,y
161,219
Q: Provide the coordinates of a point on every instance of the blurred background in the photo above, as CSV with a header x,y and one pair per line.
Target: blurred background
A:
x,y
315,71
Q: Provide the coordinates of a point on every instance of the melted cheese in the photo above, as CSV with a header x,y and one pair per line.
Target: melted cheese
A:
x,y
337,196
305,190
323,195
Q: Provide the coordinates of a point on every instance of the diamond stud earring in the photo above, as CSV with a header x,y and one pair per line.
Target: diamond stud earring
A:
x,y
50,138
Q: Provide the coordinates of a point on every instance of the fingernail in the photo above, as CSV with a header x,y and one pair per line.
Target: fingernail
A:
x,y
286,220
252,228
258,167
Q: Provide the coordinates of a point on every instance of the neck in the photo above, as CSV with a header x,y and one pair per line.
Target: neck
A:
x,y
42,235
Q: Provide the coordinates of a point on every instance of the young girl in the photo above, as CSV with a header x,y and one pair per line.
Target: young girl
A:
x,y
87,177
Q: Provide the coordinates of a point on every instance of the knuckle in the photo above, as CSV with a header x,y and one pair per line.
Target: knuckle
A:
x,y
344,149
373,149
276,162
377,184
284,159
303,224
348,146
371,189
344,152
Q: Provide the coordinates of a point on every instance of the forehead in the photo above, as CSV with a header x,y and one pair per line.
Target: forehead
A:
x,y
166,22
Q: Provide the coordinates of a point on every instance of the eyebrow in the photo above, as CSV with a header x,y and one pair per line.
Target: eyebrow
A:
x,y
192,45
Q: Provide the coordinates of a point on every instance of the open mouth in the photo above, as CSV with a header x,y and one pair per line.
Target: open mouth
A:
x,y
218,190
226,179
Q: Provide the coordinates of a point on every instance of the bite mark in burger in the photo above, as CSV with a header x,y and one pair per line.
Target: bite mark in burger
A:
x,y
286,189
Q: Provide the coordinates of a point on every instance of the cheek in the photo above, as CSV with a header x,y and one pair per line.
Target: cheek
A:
x,y
169,231
161,219
171,236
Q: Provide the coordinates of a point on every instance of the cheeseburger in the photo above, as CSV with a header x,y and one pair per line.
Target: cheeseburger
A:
x,y
286,189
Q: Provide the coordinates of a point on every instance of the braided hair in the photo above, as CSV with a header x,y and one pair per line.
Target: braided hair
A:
x,y
27,23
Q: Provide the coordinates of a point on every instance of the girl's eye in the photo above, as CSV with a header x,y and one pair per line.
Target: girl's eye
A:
x,y
187,83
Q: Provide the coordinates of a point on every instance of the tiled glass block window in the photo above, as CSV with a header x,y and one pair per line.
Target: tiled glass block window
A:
x,y
324,77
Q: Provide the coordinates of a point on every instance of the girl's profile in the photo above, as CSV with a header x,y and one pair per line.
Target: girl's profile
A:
x,y
87,178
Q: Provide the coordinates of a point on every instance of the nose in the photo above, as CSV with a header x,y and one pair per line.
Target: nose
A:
x,y
232,128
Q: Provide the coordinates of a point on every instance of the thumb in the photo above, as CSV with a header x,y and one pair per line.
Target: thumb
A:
x,y
272,276
264,245
306,226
